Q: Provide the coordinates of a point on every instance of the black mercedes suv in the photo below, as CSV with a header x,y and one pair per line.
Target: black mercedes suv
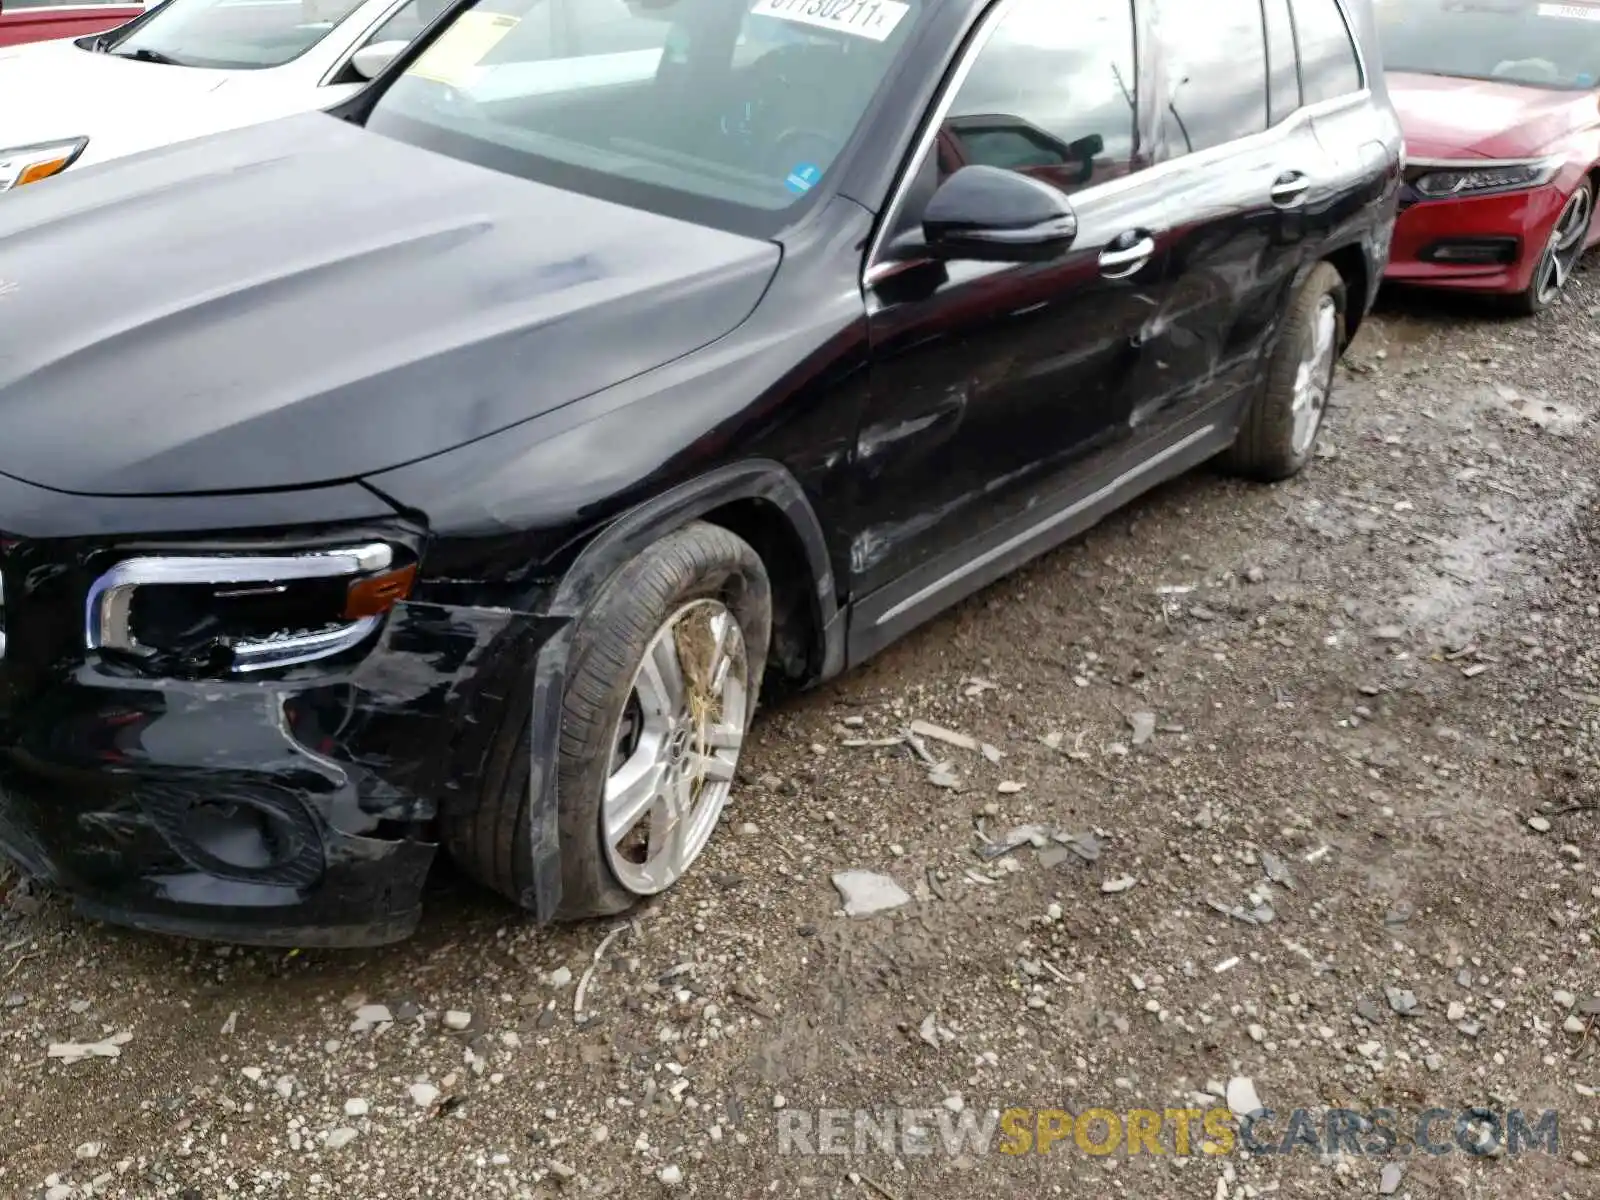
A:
x,y
456,470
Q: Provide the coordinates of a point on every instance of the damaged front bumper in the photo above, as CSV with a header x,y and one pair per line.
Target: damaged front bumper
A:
x,y
297,810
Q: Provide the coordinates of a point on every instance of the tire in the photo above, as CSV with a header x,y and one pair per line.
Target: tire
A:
x,y
694,576
1271,444
1568,237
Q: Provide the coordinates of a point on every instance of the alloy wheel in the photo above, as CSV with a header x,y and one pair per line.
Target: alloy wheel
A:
x,y
1565,246
677,747
1313,380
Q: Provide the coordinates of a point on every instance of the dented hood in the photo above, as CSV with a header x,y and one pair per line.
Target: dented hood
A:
x,y
304,302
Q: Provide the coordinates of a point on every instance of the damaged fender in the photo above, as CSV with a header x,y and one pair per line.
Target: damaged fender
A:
x,y
621,541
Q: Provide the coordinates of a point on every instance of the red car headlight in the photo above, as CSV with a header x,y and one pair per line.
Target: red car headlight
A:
x,y
1440,181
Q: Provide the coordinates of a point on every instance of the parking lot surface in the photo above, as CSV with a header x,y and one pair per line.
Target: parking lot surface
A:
x,y
1284,794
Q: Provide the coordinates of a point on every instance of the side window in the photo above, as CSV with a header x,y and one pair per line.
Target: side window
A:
x,y
406,21
19,5
1051,94
1328,64
1283,79
1213,71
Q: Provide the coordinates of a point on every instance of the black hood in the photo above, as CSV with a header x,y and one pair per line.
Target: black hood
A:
x,y
305,301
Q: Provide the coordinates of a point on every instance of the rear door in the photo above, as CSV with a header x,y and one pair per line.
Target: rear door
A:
x,y
1240,167
1362,159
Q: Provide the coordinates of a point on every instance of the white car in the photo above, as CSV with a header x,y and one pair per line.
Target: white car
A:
x,y
186,68
193,67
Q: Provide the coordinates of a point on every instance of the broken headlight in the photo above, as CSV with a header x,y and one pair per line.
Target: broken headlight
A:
x,y
239,612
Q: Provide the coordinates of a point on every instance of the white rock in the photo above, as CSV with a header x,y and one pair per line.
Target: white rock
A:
x,y
339,1138
1389,1180
1574,1024
1565,999
1121,884
61,1191
1456,1012
1539,824
1144,727
866,893
1242,1098
253,1074
373,1014
670,1175
355,1107
89,1150
457,1020
560,977
423,1094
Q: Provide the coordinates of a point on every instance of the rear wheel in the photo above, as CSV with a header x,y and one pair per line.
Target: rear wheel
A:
x,y
1280,428
661,685
1561,253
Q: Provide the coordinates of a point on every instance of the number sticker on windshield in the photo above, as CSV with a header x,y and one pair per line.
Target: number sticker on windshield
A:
x,y
874,19
1571,12
454,56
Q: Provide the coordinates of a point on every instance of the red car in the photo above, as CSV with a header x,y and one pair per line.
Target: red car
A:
x,y
1500,101
44,20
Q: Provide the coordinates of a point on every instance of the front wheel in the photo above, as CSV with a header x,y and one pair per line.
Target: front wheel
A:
x,y
1562,250
1280,427
662,679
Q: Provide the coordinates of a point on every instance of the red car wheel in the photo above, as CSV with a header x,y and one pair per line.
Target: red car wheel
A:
x,y
1568,237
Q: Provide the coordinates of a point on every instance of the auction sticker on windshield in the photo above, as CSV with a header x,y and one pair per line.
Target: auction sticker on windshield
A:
x,y
1571,12
874,19
453,59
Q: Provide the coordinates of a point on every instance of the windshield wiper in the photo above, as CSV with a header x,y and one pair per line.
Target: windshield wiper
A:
x,y
151,56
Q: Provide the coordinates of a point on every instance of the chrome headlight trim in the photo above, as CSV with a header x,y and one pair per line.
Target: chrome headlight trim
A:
x,y
1535,173
108,608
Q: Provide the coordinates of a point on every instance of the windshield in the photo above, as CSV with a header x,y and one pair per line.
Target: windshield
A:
x,y
236,35
726,112
1530,42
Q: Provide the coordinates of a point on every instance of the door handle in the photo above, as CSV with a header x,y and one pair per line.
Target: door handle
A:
x,y
1290,189
1130,260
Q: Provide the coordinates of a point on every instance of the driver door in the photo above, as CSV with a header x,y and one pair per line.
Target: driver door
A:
x,y
997,391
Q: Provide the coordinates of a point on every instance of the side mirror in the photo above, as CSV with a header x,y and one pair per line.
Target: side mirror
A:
x,y
373,58
1084,151
985,214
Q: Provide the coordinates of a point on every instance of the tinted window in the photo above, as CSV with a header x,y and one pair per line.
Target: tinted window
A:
x,y
1214,72
725,112
1328,65
1284,80
1051,94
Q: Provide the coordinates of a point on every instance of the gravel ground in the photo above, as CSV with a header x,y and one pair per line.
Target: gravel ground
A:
x,y
1300,775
